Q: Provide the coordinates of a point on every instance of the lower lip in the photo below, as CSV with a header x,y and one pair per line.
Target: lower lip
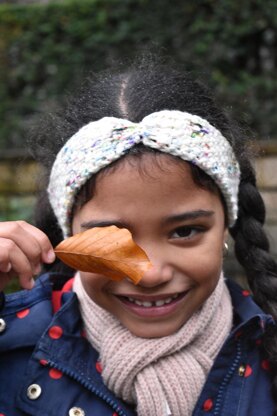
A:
x,y
153,311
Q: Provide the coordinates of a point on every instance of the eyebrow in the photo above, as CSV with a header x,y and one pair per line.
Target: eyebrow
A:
x,y
190,215
92,224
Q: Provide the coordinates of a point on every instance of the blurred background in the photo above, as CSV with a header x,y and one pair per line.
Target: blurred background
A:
x,y
47,47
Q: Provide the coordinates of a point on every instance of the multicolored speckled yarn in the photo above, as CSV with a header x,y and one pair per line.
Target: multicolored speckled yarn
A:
x,y
101,142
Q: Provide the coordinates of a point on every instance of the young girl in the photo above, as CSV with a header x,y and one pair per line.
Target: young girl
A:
x,y
145,149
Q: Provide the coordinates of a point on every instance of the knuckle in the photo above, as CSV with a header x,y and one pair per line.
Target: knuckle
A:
x,y
21,226
43,237
21,223
4,252
36,253
8,245
14,227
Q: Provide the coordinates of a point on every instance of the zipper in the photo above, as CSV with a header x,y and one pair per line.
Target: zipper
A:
x,y
226,379
2,300
89,387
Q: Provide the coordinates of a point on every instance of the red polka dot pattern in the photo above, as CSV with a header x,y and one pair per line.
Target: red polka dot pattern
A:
x,y
245,293
265,365
248,371
98,367
22,314
238,334
43,362
83,334
55,332
208,405
55,374
114,414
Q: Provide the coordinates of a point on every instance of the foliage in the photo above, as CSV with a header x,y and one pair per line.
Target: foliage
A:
x,y
15,207
46,49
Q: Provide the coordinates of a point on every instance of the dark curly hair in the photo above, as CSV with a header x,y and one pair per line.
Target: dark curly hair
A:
x,y
145,87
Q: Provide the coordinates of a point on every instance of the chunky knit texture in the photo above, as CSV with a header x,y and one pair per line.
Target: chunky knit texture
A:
x,y
159,373
177,133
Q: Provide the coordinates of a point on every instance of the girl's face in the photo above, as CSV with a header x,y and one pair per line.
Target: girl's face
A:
x,y
179,225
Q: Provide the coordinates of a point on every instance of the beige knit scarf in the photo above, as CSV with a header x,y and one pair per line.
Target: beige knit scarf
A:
x,y
161,376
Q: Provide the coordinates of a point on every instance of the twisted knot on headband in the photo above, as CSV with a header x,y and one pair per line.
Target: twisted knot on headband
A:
x,y
177,133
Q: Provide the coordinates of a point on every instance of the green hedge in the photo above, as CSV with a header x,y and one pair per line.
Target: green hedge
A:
x,y
45,49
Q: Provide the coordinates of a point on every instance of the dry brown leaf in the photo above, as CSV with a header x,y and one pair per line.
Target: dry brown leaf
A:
x,y
110,251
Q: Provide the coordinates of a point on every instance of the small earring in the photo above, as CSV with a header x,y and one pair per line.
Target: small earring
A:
x,y
225,249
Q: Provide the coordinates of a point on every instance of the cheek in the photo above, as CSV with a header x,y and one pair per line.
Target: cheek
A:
x,y
201,260
205,273
76,223
208,272
202,267
209,263
94,285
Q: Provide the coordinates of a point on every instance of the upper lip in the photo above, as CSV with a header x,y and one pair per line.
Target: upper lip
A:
x,y
149,298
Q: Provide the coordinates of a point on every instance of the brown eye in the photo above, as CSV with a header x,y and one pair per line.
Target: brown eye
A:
x,y
185,232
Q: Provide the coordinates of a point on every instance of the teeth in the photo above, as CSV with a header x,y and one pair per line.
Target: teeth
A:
x,y
148,304
162,302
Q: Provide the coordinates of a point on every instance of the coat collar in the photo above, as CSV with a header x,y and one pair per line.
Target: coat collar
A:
x,y
60,343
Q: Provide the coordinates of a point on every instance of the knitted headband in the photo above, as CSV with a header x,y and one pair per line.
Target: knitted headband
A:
x,y
101,142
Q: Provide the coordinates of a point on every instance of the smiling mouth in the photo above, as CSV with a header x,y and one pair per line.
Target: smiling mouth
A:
x,y
154,303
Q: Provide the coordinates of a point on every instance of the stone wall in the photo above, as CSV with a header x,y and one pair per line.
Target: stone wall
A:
x,y
267,182
19,183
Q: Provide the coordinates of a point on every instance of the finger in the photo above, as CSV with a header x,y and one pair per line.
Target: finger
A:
x,y
5,266
19,264
47,251
24,241
32,241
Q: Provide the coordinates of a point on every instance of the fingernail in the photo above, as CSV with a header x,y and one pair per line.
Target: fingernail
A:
x,y
37,269
28,284
31,283
50,256
7,269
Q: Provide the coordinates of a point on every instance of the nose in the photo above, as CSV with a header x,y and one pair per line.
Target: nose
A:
x,y
157,275
161,272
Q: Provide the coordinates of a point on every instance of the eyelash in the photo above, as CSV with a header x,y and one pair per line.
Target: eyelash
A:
x,y
192,231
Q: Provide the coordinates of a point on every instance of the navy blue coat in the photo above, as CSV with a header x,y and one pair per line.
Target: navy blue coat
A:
x,y
48,368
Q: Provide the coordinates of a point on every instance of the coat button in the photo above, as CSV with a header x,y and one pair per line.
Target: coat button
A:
x,y
2,325
34,391
76,411
241,370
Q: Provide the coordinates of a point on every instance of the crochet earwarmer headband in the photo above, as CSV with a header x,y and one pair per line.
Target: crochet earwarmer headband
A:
x,y
101,142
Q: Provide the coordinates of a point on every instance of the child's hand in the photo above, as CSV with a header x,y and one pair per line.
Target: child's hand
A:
x,y
23,248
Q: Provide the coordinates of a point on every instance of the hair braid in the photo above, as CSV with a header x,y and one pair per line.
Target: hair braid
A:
x,y
252,251
252,245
